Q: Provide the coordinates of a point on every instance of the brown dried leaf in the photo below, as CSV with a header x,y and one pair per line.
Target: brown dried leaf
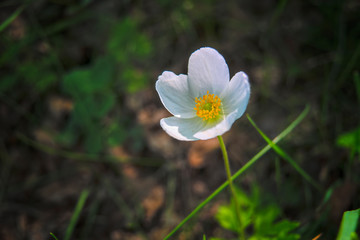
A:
x,y
153,201
151,115
44,137
60,105
119,153
198,151
17,29
130,171
200,188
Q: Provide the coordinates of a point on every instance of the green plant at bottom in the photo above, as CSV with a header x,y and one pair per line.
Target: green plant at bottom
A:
x,y
348,225
263,220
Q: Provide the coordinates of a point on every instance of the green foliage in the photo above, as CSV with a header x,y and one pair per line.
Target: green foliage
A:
x,y
263,219
133,79
128,47
127,43
350,140
95,90
38,76
348,226
93,95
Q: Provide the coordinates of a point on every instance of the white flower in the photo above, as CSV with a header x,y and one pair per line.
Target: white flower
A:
x,y
204,103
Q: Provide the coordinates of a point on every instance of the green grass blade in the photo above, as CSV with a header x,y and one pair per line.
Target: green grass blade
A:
x,y
348,224
11,18
79,206
90,218
284,155
240,171
53,236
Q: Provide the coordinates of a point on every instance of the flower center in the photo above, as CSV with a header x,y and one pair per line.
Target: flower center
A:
x,y
208,106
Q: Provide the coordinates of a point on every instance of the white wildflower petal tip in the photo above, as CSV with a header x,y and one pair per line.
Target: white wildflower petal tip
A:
x,y
174,94
236,96
207,68
205,104
182,128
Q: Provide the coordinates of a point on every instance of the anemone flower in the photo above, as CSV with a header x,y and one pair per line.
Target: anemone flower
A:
x,y
205,103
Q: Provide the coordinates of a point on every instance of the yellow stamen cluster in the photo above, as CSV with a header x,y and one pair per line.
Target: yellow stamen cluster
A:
x,y
208,106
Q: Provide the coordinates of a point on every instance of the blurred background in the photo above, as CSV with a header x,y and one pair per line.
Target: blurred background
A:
x,y
79,115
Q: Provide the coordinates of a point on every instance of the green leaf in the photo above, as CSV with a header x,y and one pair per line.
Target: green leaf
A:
x,y
93,141
226,218
82,112
283,228
265,216
350,140
77,82
37,75
95,78
127,43
102,75
263,219
348,224
133,79
102,104
354,236
117,134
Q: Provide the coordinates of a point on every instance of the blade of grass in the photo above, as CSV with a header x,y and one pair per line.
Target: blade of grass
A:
x,y
79,206
53,236
90,219
240,171
348,224
11,18
284,155
349,67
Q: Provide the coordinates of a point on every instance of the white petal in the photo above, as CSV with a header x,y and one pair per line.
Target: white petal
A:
x,y
236,96
174,94
207,71
211,131
182,128
192,129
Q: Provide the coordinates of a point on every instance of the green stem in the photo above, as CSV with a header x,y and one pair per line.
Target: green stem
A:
x,y
232,190
241,171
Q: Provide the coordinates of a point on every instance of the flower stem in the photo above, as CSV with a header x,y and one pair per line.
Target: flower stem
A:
x,y
232,190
